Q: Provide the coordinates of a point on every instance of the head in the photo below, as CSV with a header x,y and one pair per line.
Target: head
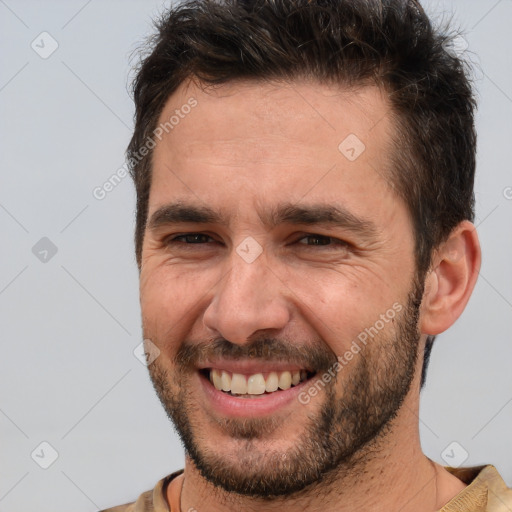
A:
x,y
264,124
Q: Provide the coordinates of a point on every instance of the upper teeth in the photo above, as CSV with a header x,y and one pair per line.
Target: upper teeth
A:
x,y
255,384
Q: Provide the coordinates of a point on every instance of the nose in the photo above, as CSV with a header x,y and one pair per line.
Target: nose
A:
x,y
249,298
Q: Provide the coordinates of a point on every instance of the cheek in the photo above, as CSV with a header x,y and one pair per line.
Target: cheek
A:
x,y
166,288
166,299
342,306
172,301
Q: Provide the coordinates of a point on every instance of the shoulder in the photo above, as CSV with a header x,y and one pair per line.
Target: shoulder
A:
x,y
485,486
500,495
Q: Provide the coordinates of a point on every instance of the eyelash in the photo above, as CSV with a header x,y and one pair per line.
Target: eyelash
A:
x,y
336,241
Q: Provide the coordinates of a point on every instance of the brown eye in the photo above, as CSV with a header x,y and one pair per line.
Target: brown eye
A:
x,y
191,238
321,240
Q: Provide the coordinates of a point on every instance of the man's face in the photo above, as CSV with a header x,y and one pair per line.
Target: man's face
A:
x,y
271,252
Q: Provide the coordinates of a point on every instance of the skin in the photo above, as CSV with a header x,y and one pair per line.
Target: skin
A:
x,y
245,148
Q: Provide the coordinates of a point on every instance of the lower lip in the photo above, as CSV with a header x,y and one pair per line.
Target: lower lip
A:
x,y
260,405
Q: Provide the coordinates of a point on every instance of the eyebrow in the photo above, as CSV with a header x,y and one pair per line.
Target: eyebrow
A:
x,y
286,213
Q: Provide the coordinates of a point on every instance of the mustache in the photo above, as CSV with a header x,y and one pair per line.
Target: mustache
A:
x,y
314,357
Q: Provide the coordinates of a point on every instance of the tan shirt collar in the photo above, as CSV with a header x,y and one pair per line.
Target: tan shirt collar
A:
x,y
485,492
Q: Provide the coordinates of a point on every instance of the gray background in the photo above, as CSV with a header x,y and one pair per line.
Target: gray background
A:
x,y
70,324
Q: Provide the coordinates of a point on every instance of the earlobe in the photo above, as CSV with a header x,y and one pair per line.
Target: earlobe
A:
x,y
451,280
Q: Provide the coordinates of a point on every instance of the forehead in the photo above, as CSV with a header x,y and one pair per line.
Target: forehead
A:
x,y
269,139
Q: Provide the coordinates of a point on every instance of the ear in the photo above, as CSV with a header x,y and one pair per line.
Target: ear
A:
x,y
451,279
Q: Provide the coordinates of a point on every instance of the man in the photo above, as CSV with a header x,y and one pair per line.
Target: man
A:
x,y
304,174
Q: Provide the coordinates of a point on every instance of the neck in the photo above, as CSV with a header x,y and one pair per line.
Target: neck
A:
x,y
390,474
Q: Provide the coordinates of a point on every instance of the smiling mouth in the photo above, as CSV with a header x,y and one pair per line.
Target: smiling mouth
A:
x,y
250,386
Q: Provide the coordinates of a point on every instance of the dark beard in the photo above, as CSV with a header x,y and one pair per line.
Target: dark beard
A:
x,y
373,388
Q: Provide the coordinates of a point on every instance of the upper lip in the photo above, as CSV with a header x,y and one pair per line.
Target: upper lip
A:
x,y
250,367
